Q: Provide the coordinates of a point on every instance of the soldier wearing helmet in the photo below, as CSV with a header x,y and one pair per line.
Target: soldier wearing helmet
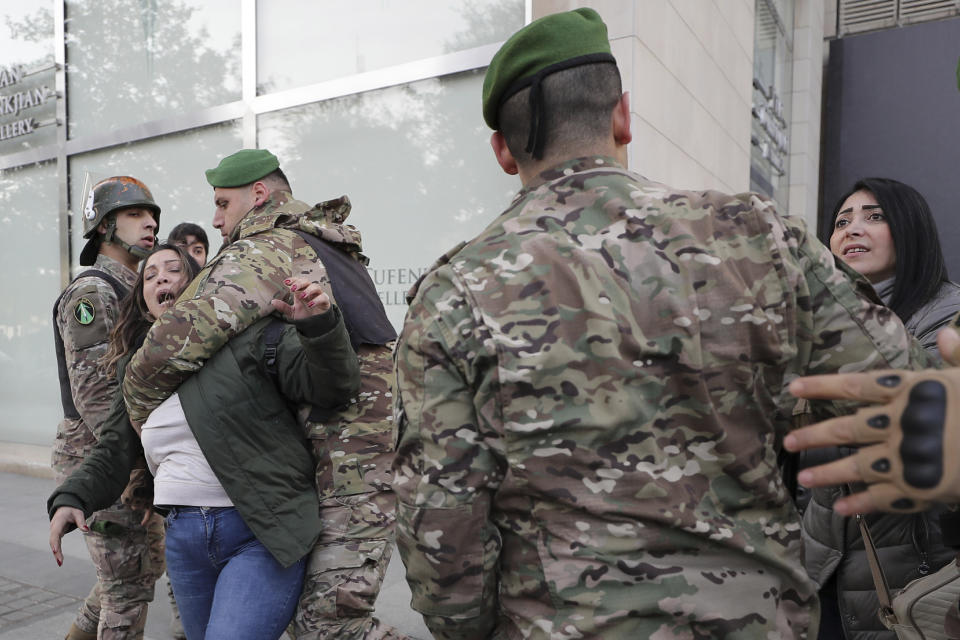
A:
x,y
120,220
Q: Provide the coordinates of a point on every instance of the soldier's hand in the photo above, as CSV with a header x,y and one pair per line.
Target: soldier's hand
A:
x,y
913,438
64,520
309,299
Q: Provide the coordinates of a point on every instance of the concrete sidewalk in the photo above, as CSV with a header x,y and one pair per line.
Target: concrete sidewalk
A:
x,y
38,599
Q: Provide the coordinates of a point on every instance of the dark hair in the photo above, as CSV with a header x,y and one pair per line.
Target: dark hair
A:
x,y
578,103
134,318
276,179
180,232
919,269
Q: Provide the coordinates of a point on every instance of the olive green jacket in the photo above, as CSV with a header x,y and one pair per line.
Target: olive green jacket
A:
x,y
246,430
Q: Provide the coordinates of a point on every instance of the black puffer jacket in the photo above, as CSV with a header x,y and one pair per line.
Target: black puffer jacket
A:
x,y
909,546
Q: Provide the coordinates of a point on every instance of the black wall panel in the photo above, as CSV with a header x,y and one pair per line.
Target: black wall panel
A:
x,y
892,109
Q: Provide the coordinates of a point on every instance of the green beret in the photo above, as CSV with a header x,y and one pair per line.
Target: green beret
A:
x,y
243,167
552,43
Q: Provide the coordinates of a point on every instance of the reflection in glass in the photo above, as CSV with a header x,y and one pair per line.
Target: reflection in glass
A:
x,y
772,99
305,42
172,167
29,391
414,160
129,63
28,104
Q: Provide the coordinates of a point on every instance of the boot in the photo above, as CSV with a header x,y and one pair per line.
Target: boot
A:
x,y
176,626
76,633
176,629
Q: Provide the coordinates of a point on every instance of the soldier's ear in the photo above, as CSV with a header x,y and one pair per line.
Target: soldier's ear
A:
x,y
260,193
621,121
504,158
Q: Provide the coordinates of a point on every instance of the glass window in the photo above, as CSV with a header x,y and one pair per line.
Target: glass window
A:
x,y
28,102
29,232
415,162
132,62
171,166
772,99
305,42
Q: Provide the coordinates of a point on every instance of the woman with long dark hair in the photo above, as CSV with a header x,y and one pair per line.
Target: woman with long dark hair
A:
x,y
231,466
884,230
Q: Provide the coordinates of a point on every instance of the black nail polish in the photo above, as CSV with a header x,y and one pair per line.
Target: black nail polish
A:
x,y
888,381
902,503
879,422
881,466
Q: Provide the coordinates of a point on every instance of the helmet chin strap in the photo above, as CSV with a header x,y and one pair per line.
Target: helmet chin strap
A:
x,y
111,236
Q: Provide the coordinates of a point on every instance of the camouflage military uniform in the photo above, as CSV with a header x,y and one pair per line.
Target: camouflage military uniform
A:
x,y
353,447
591,397
354,450
128,557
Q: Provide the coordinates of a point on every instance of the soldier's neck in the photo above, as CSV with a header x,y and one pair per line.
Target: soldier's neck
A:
x,y
119,254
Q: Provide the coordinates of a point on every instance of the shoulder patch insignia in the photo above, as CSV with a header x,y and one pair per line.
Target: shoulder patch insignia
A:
x,y
84,312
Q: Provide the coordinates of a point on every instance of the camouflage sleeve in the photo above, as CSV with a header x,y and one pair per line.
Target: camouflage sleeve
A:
x,y
449,464
231,293
85,318
315,362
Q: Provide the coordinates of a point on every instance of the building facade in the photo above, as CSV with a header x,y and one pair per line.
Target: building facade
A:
x,y
376,100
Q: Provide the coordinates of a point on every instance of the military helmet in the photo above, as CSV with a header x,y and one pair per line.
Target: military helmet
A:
x,y
107,196
118,192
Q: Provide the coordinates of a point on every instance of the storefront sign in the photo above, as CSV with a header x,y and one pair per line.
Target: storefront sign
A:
x,y
393,284
17,99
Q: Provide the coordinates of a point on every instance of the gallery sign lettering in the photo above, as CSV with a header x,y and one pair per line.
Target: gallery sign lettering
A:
x,y
16,100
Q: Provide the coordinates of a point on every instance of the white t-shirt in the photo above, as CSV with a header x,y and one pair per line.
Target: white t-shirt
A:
x,y
181,474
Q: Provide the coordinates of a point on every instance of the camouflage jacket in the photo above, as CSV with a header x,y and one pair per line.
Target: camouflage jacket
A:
x,y
87,312
354,445
591,398
233,291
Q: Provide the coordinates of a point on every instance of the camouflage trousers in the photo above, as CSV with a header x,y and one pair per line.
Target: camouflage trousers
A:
x,y
129,559
346,568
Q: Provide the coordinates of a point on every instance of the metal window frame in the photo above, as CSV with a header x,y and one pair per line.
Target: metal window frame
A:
x,y
247,109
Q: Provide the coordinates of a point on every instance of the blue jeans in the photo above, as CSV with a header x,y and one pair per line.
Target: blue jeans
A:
x,y
226,583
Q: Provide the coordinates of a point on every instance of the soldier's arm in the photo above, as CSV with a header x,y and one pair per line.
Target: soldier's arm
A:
x,y
448,466
229,295
85,318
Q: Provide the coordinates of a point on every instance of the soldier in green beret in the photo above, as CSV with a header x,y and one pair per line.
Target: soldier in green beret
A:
x,y
592,392
268,238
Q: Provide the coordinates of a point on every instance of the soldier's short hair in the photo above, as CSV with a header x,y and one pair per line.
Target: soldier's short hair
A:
x,y
579,102
277,181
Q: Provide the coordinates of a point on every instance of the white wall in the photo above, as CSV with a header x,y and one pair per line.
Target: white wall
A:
x,y
688,65
808,48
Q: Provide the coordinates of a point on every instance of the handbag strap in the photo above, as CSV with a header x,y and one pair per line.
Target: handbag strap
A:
x,y
879,579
